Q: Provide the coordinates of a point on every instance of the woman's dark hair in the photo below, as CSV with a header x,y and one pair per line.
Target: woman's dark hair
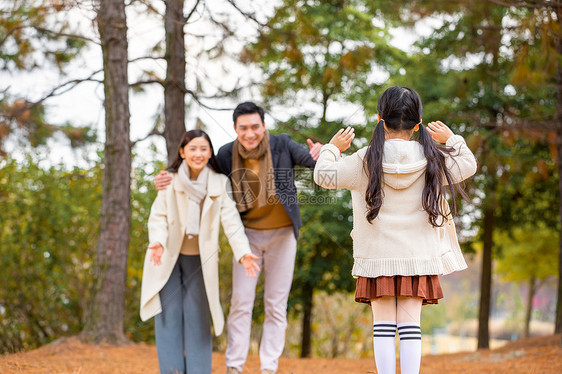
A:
x,y
400,108
185,139
247,108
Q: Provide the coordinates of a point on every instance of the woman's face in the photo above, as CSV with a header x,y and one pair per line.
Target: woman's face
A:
x,y
197,154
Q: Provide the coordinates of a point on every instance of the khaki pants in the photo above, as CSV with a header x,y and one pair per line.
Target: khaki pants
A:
x,y
276,249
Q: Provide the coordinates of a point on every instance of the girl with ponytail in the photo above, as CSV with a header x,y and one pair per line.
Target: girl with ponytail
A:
x,y
403,232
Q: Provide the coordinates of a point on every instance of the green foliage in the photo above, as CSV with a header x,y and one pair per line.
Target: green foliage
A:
x,y
515,304
48,235
26,38
325,254
326,50
342,328
528,252
465,72
434,317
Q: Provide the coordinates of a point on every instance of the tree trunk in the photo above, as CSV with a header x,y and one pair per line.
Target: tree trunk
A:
x,y
558,318
174,87
529,306
105,322
307,321
486,279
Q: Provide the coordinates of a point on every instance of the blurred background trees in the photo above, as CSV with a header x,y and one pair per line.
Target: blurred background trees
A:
x,y
488,69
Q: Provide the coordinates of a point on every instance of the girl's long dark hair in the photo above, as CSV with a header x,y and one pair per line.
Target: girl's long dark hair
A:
x,y
185,139
401,109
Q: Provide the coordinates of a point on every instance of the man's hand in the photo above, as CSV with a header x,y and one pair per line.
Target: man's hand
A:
x,y
314,149
439,131
343,139
250,265
162,180
156,254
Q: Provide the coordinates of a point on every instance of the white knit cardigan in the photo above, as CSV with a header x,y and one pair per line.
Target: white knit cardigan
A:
x,y
400,240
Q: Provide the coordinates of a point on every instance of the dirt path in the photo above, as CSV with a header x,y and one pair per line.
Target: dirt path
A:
x,y
69,356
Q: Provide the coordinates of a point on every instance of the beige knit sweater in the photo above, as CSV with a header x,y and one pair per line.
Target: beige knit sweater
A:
x,y
400,240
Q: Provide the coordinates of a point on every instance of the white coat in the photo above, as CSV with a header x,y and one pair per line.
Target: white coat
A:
x,y
166,225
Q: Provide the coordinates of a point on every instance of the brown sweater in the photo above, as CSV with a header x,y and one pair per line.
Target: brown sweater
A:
x,y
270,216
190,245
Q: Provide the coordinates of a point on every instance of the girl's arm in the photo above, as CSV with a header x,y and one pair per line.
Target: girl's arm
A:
x,y
461,163
234,230
334,171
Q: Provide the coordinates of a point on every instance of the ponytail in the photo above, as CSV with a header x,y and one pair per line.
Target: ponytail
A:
x,y
373,168
436,173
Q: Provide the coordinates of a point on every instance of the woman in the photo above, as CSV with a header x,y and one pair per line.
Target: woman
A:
x,y
180,285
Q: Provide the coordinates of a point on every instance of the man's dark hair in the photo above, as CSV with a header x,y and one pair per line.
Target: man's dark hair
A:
x,y
248,108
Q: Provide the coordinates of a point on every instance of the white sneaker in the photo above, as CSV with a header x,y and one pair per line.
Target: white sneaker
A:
x,y
233,371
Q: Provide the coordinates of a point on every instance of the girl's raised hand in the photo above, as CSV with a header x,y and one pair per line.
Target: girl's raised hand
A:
x,y
343,139
439,131
250,265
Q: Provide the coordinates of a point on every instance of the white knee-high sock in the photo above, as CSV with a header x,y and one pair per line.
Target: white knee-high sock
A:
x,y
410,347
383,340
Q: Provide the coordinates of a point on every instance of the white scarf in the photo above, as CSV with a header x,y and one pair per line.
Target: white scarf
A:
x,y
196,191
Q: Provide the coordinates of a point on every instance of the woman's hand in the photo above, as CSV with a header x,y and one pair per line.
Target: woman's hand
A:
x,y
162,180
343,139
156,254
439,131
250,265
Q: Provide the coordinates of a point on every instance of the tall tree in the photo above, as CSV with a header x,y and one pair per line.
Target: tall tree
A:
x,y
106,318
174,85
558,80
186,49
539,38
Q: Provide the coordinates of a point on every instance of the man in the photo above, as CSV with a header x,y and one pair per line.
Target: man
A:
x,y
261,168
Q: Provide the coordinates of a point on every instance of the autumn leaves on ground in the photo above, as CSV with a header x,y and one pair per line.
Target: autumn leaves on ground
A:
x,y
68,356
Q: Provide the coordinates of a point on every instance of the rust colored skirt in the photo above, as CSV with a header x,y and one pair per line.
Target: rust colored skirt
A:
x,y
426,287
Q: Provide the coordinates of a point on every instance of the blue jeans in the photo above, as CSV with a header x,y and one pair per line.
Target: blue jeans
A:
x,y
183,328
